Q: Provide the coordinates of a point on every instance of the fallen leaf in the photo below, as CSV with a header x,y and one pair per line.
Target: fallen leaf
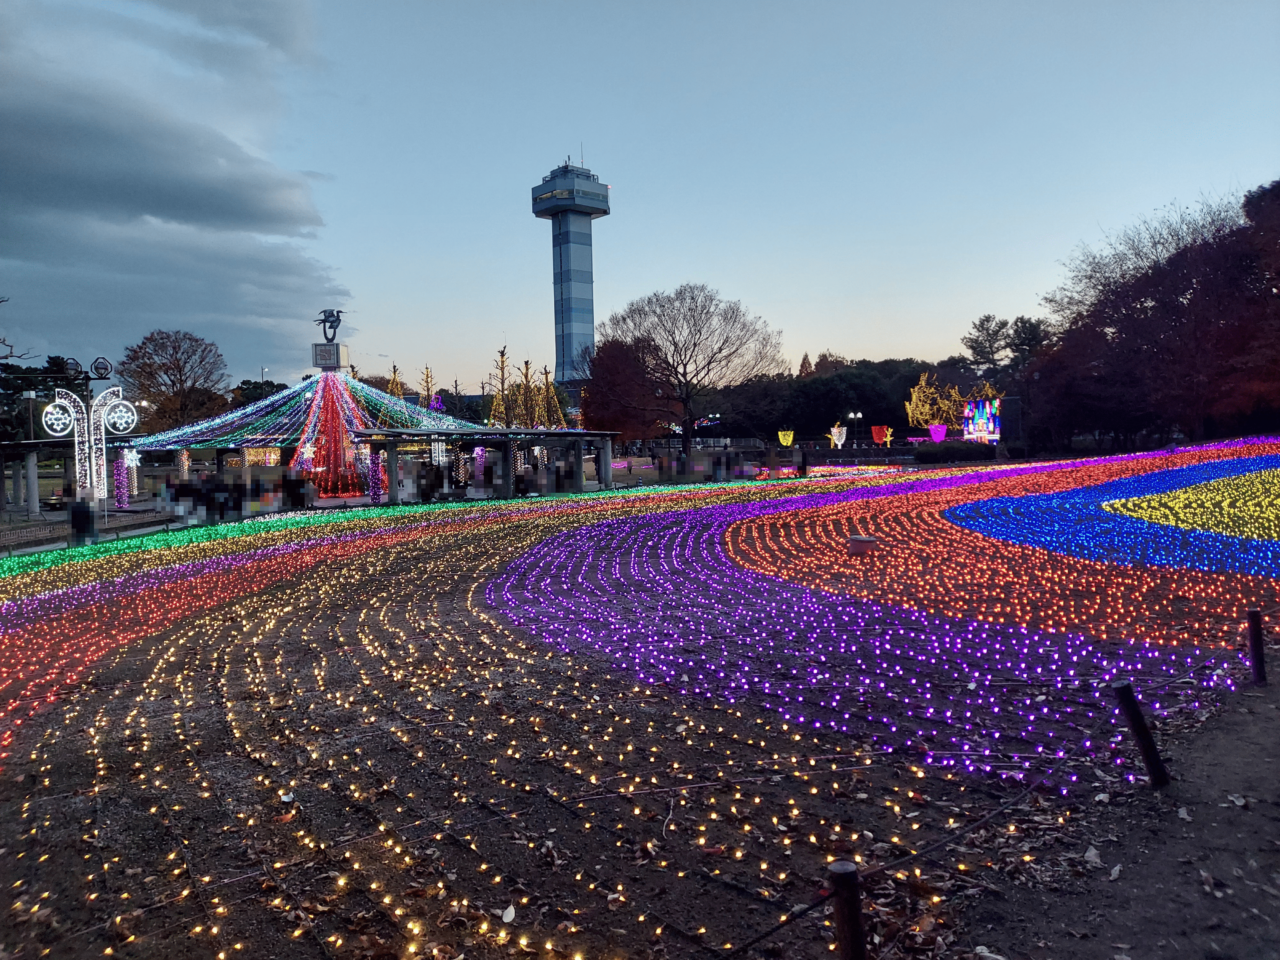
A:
x,y
1182,813
1092,858
283,818
1102,798
508,915
1115,872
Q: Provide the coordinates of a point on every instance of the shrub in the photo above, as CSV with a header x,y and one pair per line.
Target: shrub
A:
x,y
954,452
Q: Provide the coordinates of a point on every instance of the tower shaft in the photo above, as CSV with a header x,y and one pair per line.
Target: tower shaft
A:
x,y
574,301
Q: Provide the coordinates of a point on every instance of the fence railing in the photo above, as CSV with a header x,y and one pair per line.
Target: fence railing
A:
x,y
27,533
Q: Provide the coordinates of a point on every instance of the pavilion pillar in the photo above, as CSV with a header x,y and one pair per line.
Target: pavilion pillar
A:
x,y
17,484
393,474
604,463
33,487
579,478
244,469
508,469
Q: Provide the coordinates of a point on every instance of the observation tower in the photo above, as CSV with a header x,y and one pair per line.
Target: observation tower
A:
x,y
571,197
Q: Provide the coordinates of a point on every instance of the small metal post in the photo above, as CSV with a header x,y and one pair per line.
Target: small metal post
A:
x,y
850,939
1123,690
1256,655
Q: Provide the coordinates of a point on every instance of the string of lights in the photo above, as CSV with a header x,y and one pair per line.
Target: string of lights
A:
x,y
1243,506
524,726
926,562
1079,523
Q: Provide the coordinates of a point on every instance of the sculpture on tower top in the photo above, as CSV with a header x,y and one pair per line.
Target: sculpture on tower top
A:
x,y
328,323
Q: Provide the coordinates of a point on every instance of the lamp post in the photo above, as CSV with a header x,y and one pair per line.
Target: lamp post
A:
x,y
33,468
30,397
855,417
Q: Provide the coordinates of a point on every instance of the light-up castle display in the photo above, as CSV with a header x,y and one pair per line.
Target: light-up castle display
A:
x,y
982,420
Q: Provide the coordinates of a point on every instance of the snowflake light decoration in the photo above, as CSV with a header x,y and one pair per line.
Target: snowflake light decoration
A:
x,y
57,419
121,416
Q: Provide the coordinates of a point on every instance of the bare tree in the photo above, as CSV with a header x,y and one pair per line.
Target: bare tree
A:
x,y
10,352
690,343
1092,275
181,376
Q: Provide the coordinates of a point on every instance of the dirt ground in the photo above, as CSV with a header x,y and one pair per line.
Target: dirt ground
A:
x,y
1196,866
373,764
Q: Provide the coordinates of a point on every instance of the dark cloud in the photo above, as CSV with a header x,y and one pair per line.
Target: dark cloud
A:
x,y
114,156
121,211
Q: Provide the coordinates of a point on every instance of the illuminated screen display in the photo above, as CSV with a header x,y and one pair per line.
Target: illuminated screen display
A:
x,y
982,421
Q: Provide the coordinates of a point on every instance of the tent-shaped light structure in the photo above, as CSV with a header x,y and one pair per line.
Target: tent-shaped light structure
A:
x,y
318,417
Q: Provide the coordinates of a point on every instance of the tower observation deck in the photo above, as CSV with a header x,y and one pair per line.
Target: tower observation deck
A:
x,y
571,197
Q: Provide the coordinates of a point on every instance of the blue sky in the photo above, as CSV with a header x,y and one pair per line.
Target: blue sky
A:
x,y
867,177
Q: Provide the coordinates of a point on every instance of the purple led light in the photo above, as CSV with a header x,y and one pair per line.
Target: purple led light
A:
x,y
659,597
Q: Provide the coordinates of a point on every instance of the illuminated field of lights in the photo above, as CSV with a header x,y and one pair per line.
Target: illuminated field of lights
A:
x,y
586,726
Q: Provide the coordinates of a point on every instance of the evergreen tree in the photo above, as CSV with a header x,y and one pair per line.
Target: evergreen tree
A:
x,y
528,389
519,416
539,414
498,416
497,412
806,367
555,416
395,386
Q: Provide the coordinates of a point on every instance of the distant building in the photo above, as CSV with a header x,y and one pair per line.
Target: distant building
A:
x,y
571,197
